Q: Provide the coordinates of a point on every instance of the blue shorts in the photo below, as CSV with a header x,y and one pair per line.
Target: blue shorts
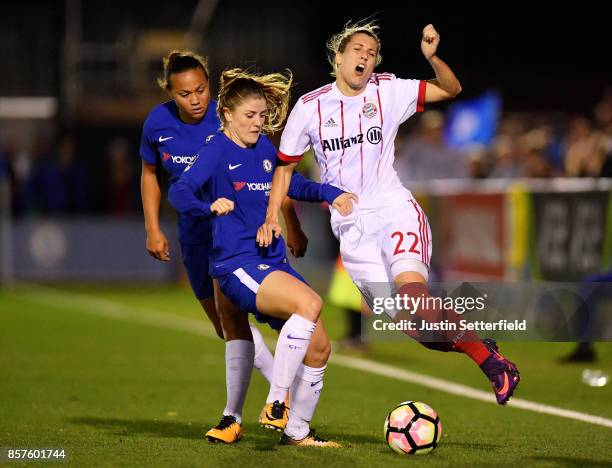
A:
x,y
242,285
195,260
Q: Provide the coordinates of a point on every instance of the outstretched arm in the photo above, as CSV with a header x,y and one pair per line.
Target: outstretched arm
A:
x,y
301,188
446,85
280,186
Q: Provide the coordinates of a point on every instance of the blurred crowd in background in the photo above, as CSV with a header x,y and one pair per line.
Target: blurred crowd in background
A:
x,y
55,174
525,145
54,177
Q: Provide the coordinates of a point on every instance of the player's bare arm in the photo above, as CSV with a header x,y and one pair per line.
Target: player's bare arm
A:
x,y
157,244
296,238
446,85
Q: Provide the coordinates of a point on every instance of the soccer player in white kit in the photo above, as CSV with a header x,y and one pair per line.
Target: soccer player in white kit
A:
x,y
351,126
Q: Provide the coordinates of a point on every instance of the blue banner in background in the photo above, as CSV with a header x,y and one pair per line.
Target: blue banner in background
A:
x,y
473,122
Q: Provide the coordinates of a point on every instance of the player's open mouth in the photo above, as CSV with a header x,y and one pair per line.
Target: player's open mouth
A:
x,y
360,68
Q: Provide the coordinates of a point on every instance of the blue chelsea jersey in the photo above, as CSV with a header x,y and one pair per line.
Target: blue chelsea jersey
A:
x,y
243,175
176,145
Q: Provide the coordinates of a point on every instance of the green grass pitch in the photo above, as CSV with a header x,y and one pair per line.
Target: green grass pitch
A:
x,y
114,392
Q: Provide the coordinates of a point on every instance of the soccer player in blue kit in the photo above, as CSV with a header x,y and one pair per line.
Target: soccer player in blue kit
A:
x,y
172,136
238,171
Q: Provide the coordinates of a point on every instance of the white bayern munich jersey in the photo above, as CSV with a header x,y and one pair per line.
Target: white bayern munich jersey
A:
x,y
353,136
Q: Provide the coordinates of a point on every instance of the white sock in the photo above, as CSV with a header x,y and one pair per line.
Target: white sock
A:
x,y
264,361
305,393
291,348
238,368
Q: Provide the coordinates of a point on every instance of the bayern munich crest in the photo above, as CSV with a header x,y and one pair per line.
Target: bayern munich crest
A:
x,y
369,110
263,266
267,165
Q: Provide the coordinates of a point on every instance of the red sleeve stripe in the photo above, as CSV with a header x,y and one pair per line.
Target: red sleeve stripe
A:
x,y
307,95
318,93
287,158
421,98
376,77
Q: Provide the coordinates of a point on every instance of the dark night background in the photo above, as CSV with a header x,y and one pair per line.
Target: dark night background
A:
x,y
539,55
543,58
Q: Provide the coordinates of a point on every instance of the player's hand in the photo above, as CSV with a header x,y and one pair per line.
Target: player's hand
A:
x,y
267,232
344,203
430,41
158,246
222,206
297,242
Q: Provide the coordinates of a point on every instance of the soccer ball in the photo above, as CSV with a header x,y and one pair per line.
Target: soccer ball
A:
x,y
412,427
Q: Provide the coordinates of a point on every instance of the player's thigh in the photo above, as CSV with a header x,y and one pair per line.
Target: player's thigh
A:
x,y
363,260
406,240
361,255
281,295
241,287
234,321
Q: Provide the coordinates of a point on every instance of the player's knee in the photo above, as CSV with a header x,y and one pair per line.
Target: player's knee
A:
x,y
310,308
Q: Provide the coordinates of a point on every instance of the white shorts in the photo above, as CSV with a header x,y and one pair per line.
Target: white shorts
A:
x,y
378,244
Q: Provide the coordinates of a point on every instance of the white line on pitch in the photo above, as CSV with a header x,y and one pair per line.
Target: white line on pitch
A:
x,y
110,309
462,390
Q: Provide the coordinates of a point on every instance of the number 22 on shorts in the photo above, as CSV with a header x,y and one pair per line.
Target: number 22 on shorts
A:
x,y
400,239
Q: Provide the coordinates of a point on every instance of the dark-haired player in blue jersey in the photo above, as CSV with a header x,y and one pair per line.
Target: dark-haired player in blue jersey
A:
x,y
172,137
238,169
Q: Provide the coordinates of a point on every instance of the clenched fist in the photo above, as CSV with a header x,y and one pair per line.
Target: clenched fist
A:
x,y
222,206
430,41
